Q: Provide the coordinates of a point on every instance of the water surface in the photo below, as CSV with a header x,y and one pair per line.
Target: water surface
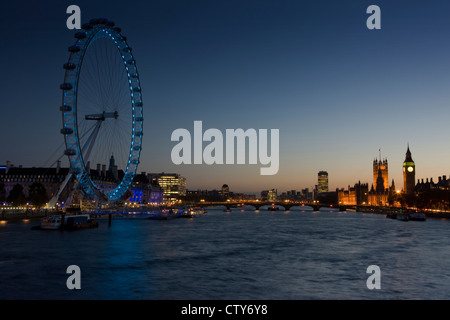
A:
x,y
236,255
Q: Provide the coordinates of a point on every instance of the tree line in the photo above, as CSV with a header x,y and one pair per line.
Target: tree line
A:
x,y
37,195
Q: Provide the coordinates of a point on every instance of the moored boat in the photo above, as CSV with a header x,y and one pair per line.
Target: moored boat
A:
x,y
162,216
51,223
391,215
192,212
172,213
67,222
417,216
79,221
403,217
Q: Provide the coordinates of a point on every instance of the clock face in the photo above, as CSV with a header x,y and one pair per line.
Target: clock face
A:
x,y
410,169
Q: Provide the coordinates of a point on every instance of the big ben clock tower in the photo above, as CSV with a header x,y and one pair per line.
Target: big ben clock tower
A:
x,y
409,173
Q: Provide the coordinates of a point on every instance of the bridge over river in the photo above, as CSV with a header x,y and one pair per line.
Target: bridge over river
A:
x,y
278,204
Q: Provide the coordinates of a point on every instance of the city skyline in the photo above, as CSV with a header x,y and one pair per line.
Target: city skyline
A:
x,y
337,91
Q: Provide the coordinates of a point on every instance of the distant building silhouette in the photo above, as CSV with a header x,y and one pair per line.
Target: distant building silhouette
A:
x,y
225,191
269,195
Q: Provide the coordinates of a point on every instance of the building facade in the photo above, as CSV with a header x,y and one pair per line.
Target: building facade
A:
x,y
50,178
144,192
173,185
225,191
269,195
322,181
409,174
379,196
381,165
356,195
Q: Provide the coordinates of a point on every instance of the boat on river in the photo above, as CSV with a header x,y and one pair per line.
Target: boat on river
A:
x,y
192,212
67,222
403,216
173,213
162,216
407,216
417,216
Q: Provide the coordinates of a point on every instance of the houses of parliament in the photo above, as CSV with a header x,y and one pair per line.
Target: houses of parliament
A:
x,y
380,192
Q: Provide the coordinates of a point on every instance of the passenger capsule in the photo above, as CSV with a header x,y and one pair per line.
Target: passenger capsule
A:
x,y
70,152
80,35
66,131
66,86
87,26
110,24
65,108
74,48
69,66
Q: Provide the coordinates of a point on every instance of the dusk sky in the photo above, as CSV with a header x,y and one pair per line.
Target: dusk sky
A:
x,y
337,91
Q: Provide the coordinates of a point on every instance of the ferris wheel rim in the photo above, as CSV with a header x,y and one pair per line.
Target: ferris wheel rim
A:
x,y
96,29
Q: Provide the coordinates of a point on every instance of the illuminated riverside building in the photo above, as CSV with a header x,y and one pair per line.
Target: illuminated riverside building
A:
x,y
322,181
172,184
356,195
144,192
379,196
269,195
381,165
225,191
272,195
51,178
409,174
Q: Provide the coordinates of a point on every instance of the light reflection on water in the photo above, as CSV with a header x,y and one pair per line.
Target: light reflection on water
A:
x,y
233,255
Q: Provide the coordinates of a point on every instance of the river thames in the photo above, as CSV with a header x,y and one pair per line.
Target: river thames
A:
x,y
263,255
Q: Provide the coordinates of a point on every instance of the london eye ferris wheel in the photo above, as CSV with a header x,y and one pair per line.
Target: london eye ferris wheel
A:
x,y
102,110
